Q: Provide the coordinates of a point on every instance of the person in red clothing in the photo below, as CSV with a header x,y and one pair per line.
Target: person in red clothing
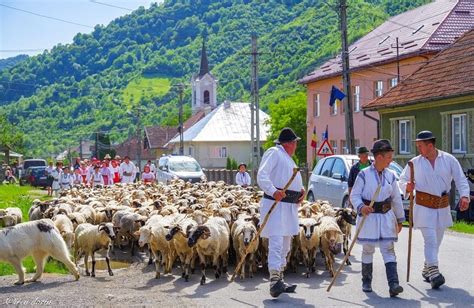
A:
x,y
106,173
114,169
147,176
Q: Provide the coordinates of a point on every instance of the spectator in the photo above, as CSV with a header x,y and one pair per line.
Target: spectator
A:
x,y
128,171
49,178
242,177
148,177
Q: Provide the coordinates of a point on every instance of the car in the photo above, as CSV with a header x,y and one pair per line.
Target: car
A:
x,y
27,163
172,167
328,180
35,176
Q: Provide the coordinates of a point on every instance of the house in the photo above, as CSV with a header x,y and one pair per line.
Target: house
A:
x,y
378,61
438,97
156,138
223,133
130,148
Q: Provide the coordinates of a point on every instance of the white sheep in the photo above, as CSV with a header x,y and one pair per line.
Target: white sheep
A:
x,y
91,238
37,210
66,229
39,239
331,240
77,219
11,216
243,232
309,239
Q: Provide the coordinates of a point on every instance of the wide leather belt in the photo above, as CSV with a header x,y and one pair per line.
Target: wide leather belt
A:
x,y
292,196
380,207
432,201
127,174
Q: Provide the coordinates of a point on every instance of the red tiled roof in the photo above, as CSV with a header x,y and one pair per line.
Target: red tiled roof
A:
x,y
157,136
448,74
426,29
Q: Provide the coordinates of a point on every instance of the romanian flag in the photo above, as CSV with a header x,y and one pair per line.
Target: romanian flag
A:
x,y
314,138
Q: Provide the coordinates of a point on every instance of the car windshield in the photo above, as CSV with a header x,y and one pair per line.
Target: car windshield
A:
x,y
396,167
184,166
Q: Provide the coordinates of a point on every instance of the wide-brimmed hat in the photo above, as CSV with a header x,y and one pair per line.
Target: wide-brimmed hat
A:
x,y
382,145
107,156
287,135
362,150
117,157
425,135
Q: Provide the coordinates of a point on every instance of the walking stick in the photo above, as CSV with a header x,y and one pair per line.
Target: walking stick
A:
x,y
410,219
265,220
376,194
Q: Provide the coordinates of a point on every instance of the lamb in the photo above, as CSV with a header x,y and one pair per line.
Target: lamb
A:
x,y
345,219
243,232
331,239
39,239
211,239
66,229
77,219
11,216
89,213
91,238
309,242
178,234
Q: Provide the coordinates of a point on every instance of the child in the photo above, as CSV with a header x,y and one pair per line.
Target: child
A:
x,y
147,176
96,179
67,179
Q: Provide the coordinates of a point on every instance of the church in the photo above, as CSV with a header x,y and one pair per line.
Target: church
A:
x,y
215,131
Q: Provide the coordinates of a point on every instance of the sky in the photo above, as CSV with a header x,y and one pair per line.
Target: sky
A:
x,y
26,33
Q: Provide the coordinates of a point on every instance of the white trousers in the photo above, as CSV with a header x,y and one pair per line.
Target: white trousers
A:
x,y
387,249
432,238
278,249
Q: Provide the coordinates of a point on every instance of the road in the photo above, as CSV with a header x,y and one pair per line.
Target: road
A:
x,y
137,286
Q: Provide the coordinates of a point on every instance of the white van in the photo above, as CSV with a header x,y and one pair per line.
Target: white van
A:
x,y
173,167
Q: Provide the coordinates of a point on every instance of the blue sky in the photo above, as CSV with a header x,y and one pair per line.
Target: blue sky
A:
x,y
24,33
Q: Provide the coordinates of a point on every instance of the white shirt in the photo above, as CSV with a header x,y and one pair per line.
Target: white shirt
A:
x,y
276,168
148,176
243,178
378,227
435,181
66,181
130,169
56,174
97,179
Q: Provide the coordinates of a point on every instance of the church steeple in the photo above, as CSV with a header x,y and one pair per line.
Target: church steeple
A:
x,y
204,68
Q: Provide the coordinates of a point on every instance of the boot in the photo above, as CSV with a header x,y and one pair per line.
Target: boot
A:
x,y
434,276
392,278
289,288
367,277
276,284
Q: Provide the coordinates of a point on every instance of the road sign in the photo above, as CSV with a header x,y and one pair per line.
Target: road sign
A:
x,y
325,149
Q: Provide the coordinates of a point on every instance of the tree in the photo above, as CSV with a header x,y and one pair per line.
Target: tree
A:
x,y
289,112
10,137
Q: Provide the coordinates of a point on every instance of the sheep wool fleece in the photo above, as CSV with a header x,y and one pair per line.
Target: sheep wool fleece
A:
x,y
276,168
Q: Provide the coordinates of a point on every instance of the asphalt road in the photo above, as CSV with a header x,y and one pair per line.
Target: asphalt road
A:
x,y
137,287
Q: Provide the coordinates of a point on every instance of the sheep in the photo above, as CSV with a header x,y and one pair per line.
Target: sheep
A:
x,y
309,241
66,229
89,213
11,216
243,233
39,239
77,219
345,218
331,239
178,234
91,238
37,210
211,239
129,224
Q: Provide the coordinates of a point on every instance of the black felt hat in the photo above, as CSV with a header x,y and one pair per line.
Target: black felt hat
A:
x,y
425,135
362,150
382,145
287,135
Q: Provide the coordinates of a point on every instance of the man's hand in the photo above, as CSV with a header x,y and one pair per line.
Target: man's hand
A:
x,y
278,195
366,210
303,194
464,204
400,226
410,187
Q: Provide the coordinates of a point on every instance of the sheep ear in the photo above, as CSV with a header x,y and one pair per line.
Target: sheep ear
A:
x,y
166,227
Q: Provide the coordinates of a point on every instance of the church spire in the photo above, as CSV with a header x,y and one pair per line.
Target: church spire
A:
x,y
204,69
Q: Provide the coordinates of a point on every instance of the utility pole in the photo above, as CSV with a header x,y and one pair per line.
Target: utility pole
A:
x,y
139,139
180,117
80,147
97,145
346,79
254,112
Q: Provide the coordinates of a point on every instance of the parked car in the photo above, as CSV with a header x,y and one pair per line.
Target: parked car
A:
x,y
34,176
173,167
27,163
328,180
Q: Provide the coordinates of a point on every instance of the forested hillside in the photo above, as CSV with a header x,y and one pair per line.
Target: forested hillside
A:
x,y
67,93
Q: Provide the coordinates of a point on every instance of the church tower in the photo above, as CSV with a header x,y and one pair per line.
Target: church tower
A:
x,y
204,85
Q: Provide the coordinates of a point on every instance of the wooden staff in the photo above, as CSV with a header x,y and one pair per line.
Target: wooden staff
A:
x,y
265,220
410,219
359,228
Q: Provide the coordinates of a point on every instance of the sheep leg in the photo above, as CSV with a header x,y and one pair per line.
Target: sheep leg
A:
x,y
19,270
203,269
225,261
156,254
86,264
150,254
93,264
40,260
345,247
217,266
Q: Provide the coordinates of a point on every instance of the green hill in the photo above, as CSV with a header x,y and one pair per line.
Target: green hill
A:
x,y
66,93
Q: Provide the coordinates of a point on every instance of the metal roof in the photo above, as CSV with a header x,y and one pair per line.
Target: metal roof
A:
x,y
228,122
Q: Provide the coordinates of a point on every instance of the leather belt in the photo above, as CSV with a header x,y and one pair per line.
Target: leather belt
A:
x,y
127,173
292,196
432,201
380,207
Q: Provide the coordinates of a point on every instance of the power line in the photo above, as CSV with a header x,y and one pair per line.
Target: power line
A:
x,y
45,16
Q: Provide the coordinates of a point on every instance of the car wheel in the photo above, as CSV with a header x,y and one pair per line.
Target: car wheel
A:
x,y
310,197
345,203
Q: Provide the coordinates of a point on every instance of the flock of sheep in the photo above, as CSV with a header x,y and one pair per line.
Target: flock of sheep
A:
x,y
210,223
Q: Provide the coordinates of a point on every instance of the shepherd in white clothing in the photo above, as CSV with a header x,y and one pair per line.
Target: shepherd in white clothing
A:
x,y
128,171
384,219
242,177
434,171
67,179
56,175
275,170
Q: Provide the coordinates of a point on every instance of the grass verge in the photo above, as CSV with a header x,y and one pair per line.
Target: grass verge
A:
x,y
463,227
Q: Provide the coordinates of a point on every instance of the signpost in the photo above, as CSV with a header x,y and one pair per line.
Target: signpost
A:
x,y
325,149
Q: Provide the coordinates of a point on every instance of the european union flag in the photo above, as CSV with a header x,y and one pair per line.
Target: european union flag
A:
x,y
336,94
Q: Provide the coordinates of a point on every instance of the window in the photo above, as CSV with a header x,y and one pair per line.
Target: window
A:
x,y
326,169
190,151
333,144
356,98
207,99
459,132
219,152
344,148
333,109
378,86
339,168
404,137
316,105
393,82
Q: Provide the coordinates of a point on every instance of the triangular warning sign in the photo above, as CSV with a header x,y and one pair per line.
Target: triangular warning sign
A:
x,y
325,149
